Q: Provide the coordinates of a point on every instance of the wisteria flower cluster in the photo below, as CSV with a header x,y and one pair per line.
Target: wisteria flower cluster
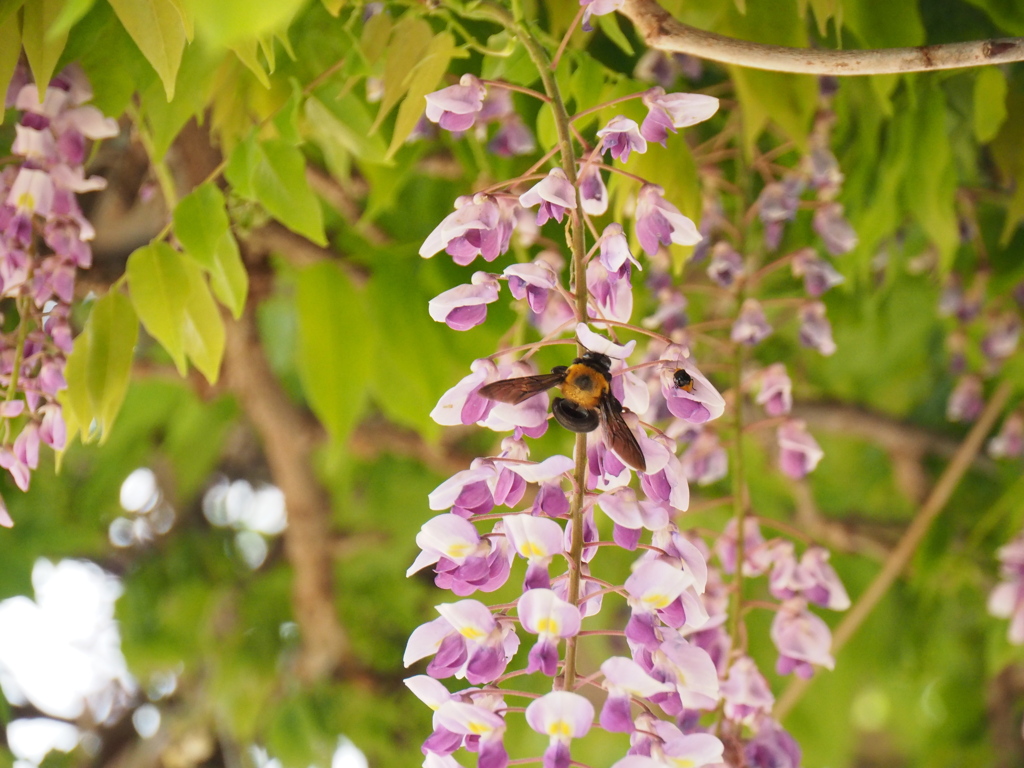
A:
x,y
682,661
44,238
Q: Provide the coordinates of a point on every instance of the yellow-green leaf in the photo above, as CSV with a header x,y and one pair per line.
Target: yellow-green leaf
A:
x,y
159,286
156,27
334,6
279,184
424,80
333,360
989,103
227,22
201,224
113,328
203,328
69,15
409,41
246,50
10,50
42,48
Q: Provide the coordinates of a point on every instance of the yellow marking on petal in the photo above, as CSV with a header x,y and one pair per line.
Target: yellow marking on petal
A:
x,y
547,626
532,550
657,600
26,201
478,728
457,550
682,762
560,728
471,633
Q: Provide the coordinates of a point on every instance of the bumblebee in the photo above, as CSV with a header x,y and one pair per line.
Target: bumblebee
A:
x,y
683,380
586,404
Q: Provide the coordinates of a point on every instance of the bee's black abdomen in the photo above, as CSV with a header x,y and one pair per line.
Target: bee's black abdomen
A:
x,y
575,417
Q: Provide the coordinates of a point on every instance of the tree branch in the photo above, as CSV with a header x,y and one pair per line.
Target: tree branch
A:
x,y
660,30
287,443
908,545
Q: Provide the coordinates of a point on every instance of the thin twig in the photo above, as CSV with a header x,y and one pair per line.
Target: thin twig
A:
x,y
908,545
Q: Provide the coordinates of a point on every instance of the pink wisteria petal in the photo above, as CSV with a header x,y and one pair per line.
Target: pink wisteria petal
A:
x,y
595,342
449,536
470,720
625,675
562,715
535,538
695,750
552,468
425,640
447,493
654,584
544,613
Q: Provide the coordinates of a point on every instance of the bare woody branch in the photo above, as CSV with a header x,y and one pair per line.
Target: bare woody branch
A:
x,y
660,30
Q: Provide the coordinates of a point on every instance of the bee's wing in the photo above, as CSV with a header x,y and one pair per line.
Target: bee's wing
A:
x,y
515,391
620,436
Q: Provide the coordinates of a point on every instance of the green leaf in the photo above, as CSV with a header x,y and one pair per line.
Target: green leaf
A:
x,y
788,100
279,184
10,50
989,103
201,224
203,327
609,24
334,7
228,22
113,328
343,125
69,15
239,169
423,80
158,31
159,285
247,53
42,47
99,367
409,42
166,118
336,345
929,188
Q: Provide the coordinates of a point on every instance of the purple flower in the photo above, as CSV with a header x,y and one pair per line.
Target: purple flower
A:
x,y
554,194
1002,338
593,192
533,281
777,204
772,747
966,400
465,306
512,138
481,225
803,640
538,540
464,561
622,136
598,8
776,393
658,222
756,556
799,453
1007,599
562,716
823,172
696,403
695,750
705,461
670,111
815,329
455,108
543,613
751,327
819,275
833,228
726,265
693,672
1009,443
485,727
746,692
614,249
611,293
624,678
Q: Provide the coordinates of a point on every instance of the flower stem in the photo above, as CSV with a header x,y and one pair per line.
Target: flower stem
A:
x,y
578,246
738,502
